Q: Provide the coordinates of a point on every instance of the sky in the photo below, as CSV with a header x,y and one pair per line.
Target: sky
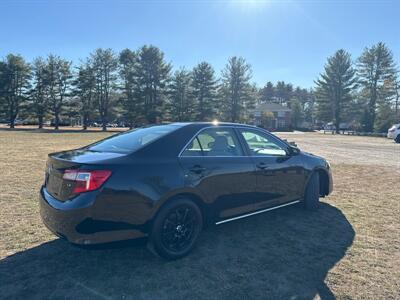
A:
x,y
281,40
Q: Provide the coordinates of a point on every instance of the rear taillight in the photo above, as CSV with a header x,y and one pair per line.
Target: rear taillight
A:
x,y
86,181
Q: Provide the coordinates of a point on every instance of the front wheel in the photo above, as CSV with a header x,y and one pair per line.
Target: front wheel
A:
x,y
311,195
176,228
397,139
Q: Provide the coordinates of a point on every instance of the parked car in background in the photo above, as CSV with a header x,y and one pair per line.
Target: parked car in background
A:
x,y
16,122
61,123
166,181
394,133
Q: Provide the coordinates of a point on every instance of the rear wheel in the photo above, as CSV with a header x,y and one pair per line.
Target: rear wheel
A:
x,y
311,196
176,228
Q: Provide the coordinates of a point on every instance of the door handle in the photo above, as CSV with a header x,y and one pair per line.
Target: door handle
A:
x,y
197,169
262,165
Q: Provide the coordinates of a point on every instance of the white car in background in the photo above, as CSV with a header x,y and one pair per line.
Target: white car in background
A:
x,y
394,133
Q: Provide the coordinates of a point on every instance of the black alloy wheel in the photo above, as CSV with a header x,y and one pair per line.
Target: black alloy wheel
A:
x,y
176,228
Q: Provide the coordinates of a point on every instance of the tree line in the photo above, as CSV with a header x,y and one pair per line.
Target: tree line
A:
x,y
136,87
364,92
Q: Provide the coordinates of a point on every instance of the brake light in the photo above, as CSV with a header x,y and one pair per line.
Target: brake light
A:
x,y
86,181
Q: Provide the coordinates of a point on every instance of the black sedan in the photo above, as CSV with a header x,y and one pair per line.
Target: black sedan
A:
x,y
168,181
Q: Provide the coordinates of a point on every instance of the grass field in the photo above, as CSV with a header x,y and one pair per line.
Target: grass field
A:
x,y
349,249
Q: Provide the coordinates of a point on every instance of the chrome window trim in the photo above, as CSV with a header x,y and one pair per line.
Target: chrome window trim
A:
x,y
231,127
256,212
241,156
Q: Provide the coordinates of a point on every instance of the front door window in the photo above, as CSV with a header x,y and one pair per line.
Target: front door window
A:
x,y
262,144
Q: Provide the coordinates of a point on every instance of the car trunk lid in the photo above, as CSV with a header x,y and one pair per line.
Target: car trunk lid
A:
x,y
58,163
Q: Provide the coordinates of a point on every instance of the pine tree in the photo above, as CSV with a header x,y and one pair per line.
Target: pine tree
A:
x,y
377,73
14,85
309,107
267,93
181,100
397,99
3,106
38,96
288,94
57,77
153,75
297,112
104,64
84,89
130,102
335,87
301,94
281,92
235,88
250,103
204,89
385,118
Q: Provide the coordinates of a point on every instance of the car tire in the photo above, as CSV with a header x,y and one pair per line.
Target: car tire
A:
x,y
311,195
176,228
397,139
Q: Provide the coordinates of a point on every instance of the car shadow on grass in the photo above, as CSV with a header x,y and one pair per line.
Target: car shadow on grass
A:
x,y
284,254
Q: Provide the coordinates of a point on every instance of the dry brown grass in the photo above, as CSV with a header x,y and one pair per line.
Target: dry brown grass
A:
x,y
22,161
349,249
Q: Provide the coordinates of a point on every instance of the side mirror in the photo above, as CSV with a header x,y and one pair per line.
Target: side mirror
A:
x,y
293,150
291,143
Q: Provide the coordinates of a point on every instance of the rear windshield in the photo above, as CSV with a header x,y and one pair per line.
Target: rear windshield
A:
x,y
132,140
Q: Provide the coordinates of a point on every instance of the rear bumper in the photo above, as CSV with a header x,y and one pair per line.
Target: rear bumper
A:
x,y
72,220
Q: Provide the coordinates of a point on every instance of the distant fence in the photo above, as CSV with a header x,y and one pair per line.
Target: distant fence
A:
x,y
350,132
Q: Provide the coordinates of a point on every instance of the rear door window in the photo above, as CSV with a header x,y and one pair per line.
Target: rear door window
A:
x,y
214,142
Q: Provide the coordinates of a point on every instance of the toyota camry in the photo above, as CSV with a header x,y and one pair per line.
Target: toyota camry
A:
x,y
166,182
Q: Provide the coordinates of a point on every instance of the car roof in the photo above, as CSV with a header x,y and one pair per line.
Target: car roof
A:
x,y
208,124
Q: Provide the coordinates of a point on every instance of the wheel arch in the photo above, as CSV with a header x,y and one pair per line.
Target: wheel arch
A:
x,y
323,181
192,196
